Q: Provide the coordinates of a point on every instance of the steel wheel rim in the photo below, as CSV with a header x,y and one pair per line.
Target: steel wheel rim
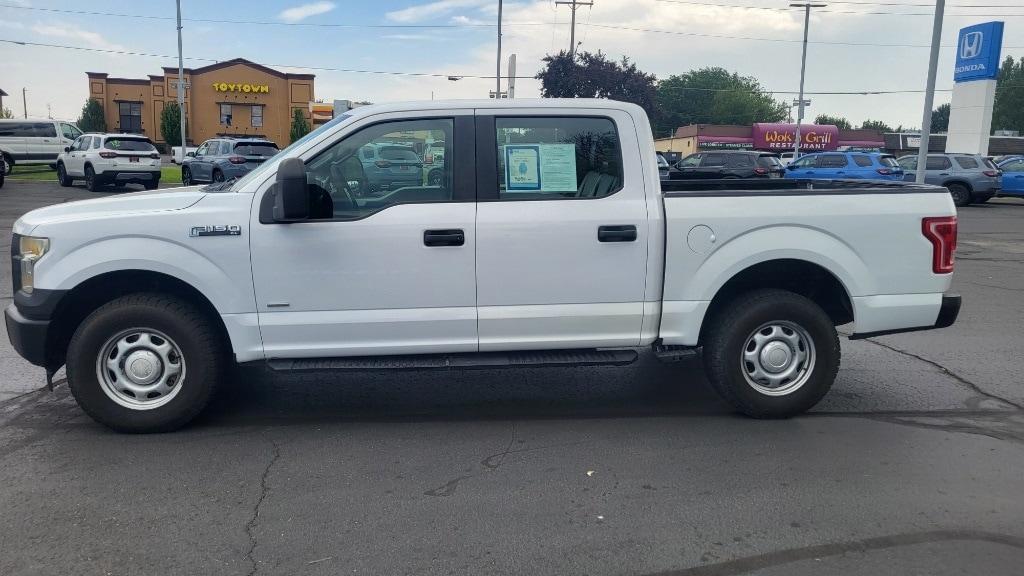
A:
x,y
778,358
140,369
186,176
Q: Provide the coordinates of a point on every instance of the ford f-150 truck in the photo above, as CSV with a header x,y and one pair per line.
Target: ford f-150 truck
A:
x,y
547,240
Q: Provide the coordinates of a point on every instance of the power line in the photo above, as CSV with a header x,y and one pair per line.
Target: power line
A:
x,y
848,12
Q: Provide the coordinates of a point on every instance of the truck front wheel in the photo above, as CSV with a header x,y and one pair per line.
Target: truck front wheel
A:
x,y
144,363
771,353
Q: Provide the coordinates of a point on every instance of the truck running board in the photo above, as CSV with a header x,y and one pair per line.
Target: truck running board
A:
x,y
552,358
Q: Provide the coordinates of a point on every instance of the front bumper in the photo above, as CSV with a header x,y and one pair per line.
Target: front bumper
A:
x,y
28,336
948,312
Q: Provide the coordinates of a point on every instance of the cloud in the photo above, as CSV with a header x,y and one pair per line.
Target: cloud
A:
x,y
69,31
422,12
300,13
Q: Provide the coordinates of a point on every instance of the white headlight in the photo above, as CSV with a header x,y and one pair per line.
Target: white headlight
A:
x,y
30,250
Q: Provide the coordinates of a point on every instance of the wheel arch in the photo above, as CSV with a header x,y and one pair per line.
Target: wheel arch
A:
x,y
87,296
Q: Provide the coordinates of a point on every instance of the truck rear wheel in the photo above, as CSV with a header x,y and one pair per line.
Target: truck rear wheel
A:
x,y
144,363
771,353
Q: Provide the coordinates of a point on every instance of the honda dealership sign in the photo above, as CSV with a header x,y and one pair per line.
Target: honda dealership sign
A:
x,y
978,51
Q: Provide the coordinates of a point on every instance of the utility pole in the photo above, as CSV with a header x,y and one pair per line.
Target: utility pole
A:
x,y
24,103
497,75
181,86
803,69
511,76
929,92
573,4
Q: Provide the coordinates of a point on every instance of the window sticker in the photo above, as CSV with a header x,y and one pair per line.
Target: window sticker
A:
x,y
558,167
522,168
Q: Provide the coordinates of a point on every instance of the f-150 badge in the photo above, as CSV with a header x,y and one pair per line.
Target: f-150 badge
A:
x,y
216,230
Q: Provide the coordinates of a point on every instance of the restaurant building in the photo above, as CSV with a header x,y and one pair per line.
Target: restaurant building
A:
x,y
233,98
771,137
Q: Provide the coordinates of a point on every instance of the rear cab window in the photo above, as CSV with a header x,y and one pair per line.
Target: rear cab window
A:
x,y
129,145
550,157
265,149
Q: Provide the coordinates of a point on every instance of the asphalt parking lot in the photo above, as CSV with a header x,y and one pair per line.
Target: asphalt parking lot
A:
x,y
914,463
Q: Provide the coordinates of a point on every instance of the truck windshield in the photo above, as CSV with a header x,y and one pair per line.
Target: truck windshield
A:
x,y
262,169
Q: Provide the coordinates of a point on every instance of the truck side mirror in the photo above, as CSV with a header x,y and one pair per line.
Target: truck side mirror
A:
x,y
67,148
190,154
291,200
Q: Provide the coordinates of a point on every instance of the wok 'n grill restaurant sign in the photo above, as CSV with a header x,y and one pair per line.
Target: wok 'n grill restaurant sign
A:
x,y
783,136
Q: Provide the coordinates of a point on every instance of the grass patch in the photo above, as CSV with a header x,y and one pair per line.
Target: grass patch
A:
x,y
42,173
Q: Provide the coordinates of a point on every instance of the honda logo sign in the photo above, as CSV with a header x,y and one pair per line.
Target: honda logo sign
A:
x,y
970,46
978,51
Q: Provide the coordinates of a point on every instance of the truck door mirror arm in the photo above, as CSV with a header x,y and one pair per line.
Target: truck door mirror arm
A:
x,y
291,199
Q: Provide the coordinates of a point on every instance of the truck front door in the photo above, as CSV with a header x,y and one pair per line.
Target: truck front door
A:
x,y
392,273
562,229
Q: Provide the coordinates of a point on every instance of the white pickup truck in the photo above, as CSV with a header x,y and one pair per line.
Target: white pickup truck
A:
x,y
549,240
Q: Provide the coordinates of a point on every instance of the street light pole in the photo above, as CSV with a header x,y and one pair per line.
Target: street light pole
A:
x,y
803,68
181,86
497,74
929,93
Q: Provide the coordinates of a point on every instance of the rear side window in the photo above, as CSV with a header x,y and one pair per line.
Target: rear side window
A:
x,y
888,161
44,130
255,149
129,145
558,157
16,129
938,163
966,162
713,159
738,161
862,160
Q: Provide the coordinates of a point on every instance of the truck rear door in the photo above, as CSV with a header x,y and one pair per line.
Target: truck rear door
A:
x,y
562,229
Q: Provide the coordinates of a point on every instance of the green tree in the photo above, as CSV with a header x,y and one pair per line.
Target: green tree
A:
x,y
170,124
92,119
300,127
714,96
1008,113
940,119
839,121
592,75
876,125
5,112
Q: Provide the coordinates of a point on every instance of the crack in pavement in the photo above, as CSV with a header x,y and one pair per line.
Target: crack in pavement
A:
x,y
971,385
490,464
251,524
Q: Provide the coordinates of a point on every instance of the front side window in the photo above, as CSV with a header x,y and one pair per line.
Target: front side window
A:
x,y
69,131
45,130
345,185
257,116
130,116
201,151
1015,166
225,114
77,145
691,161
557,157
805,162
908,162
888,161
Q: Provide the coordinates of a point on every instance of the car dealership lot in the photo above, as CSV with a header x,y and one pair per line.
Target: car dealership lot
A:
x,y
916,458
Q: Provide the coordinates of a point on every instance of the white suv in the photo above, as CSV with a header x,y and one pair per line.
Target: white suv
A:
x,y
117,159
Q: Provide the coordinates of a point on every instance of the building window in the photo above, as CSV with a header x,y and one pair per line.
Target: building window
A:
x,y
225,114
130,114
257,116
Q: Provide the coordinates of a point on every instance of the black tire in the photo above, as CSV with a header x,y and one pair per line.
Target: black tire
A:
x,y
62,176
961,194
10,164
218,176
202,357
152,185
734,326
92,182
186,176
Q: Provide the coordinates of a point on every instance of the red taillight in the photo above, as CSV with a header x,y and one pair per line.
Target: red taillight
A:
x,y
760,170
991,173
383,164
941,232
106,154
236,160
884,171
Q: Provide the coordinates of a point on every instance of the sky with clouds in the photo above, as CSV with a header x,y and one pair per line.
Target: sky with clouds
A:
x,y
857,45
